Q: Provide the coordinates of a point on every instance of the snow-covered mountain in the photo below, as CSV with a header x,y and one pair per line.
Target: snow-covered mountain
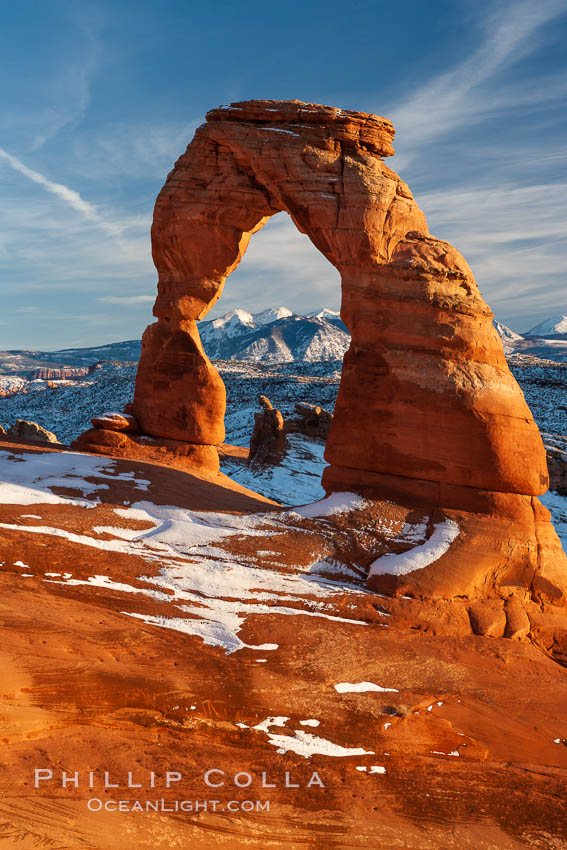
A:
x,y
325,313
272,314
509,337
538,343
275,335
555,327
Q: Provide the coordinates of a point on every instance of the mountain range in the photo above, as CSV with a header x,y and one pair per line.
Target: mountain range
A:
x,y
553,328
274,335
547,340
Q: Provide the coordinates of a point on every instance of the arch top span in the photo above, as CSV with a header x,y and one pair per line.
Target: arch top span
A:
x,y
425,371
321,165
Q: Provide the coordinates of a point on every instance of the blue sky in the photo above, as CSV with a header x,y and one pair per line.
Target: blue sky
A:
x,y
99,99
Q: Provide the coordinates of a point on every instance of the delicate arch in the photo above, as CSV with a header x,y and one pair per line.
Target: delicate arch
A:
x,y
426,393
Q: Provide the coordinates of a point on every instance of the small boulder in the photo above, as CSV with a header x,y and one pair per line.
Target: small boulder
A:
x,y
116,422
24,430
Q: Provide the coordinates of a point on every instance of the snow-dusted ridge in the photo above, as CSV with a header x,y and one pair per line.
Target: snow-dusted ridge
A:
x,y
551,327
276,335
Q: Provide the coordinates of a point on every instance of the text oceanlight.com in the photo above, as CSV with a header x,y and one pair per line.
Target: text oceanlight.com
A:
x,y
95,804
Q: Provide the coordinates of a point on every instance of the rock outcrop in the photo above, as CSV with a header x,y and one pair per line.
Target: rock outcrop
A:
x,y
46,373
163,622
112,421
118,435
309,419
24,430
268,443
428,412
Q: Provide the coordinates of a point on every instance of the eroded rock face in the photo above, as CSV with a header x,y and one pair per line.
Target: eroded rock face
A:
x,y
427,412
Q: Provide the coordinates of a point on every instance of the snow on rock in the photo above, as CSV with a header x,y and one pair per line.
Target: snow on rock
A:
x,y
212,589
296,479
336,503
266,724
33,477
11,385
361,687
420,556
211,632
304,743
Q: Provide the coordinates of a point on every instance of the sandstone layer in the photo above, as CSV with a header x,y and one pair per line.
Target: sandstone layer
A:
x,y
428,411
152,620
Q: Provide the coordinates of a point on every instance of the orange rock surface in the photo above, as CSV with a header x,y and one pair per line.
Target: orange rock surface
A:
x,y
130,646
177,454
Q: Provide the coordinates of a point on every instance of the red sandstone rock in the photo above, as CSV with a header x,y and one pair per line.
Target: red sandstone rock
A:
x,y
179,394
116,422
471,737
309,419
46,373
268,443
174,453
428,412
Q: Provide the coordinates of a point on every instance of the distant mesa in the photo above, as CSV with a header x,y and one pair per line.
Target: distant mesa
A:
x,y
46,374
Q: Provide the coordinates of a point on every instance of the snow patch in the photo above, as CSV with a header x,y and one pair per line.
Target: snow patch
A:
x,y
336,503
361,687
420,556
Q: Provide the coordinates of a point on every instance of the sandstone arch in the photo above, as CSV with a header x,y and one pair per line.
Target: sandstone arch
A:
x,y
425,370
428,411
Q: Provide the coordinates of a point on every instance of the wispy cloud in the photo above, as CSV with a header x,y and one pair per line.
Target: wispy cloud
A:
x,y
67,195
515,240
127,299
460,97
133,151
